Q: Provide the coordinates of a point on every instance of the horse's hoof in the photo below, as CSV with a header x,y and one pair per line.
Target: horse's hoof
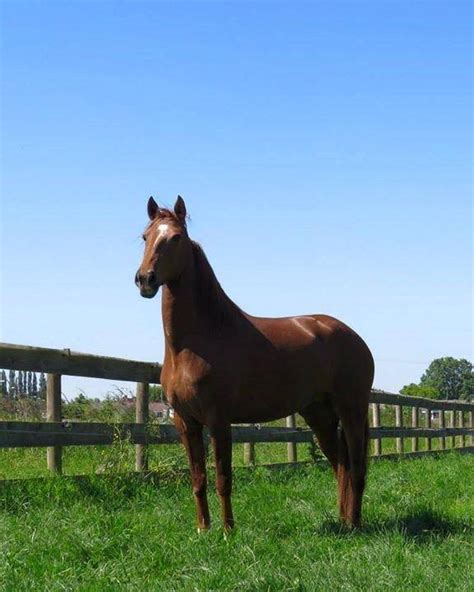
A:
x,y
203,528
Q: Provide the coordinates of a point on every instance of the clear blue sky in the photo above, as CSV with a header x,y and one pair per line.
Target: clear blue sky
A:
x,y
323,149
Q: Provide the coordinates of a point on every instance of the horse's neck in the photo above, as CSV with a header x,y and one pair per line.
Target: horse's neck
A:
x,y
195,303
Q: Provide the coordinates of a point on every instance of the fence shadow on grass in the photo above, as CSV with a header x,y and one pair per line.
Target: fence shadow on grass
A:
x,y
112,492
419,525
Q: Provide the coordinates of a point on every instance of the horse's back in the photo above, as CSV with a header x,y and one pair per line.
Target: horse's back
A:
x,y
317,331
305,357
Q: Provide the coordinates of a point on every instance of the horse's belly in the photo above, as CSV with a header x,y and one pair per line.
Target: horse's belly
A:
x,y
267,400
282,383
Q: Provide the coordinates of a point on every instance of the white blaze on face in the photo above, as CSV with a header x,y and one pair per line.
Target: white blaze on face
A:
x,y
162,229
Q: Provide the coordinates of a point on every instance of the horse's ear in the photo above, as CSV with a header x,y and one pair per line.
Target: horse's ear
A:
x,y
180,209
152,208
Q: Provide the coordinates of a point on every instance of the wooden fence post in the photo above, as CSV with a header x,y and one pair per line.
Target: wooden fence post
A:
x,y
249,453
141,416
53,414
428,425
471,425
414,424
461,425
451,425
399,424
291,447
376,424
442,424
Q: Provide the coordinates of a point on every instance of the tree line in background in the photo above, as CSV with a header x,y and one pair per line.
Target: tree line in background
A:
x,y
445,378
22,385
23,397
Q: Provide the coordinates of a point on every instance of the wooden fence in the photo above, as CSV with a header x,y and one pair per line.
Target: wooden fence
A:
x,y
450,423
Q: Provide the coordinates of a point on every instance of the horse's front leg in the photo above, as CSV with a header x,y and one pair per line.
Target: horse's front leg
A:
x,y
190,432
222,443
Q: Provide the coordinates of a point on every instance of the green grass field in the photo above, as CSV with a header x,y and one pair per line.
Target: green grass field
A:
x,y
127,533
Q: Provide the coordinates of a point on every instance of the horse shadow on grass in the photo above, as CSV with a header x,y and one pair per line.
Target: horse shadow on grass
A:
x,y
419,525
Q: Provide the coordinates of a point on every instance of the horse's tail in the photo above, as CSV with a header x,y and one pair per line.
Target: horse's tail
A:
x,y
367,439
351,480
343,475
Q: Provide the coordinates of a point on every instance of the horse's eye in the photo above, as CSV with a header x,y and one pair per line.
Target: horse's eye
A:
x,y
144,237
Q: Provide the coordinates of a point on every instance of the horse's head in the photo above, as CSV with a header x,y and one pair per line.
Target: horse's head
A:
x,y
166,246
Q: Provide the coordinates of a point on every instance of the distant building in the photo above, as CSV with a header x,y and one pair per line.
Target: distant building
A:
x,y
161,410
128,402
158,409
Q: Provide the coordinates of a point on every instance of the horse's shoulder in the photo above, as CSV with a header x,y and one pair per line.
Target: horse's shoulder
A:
x,y
186,369
193,363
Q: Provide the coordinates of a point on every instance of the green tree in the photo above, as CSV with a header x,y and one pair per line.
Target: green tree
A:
x,y
453,379
11,384
78,408
467,391
19,383
24,384
420,390
42,386
156,393
29,386
3,385
34,386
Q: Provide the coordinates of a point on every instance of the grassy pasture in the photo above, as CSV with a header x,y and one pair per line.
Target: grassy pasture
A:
x,y
115,533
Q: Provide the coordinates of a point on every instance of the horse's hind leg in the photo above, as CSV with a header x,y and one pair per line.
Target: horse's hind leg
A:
x,y
322,419
352,466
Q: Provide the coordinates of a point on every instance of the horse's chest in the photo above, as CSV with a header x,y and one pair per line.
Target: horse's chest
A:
x,y
183,377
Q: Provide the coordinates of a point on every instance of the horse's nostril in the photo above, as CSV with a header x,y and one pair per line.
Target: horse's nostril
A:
x,y
137,279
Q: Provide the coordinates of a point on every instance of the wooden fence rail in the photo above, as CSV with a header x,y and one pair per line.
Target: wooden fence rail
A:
x,y
55,434
26,434
70,363
406,401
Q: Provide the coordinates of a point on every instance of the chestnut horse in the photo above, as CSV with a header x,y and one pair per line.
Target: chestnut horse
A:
x,y
224,366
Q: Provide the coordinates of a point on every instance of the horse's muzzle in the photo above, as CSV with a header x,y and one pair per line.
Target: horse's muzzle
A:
x,y
149,293
147,283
